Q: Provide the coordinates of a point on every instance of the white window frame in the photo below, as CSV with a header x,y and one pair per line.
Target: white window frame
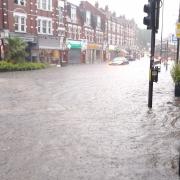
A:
x,y
88,18
73,14
49,29
20,15
99,22
19,2
48,5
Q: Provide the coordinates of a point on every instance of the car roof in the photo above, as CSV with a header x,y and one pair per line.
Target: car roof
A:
x,y
119,58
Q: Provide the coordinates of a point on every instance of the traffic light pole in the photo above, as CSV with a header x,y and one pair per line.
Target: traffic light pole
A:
x,y
152,22
154,27
150,94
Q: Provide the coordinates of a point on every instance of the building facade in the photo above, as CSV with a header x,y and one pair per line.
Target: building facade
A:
x,y
57,31
35,21
120,34
74,34
93,31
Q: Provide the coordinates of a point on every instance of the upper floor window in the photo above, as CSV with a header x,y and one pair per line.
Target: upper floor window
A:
x,y
73,14
113,27
88,18
60,15
45,5
44,25
20,2
60,10
20,22
99,22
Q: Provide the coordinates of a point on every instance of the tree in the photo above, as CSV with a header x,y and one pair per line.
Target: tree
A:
x,y
16,50
143,38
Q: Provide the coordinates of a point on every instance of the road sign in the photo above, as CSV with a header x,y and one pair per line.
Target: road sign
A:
x,y
173,38
178,30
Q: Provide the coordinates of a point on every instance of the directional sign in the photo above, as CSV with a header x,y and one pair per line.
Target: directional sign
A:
x,y
178,30
173,38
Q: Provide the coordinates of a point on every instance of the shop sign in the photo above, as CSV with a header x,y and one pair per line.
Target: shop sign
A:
x,y
74,44
178,30
94,46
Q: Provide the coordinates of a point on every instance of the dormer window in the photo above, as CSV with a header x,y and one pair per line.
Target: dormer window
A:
x,y
20,2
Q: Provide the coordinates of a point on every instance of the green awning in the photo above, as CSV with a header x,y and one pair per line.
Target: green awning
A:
x,y
74,44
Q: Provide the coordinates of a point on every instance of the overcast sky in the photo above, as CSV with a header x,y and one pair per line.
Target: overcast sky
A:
x,y
134,9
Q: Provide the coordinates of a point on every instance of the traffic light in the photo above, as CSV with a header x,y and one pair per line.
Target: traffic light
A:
x,y
152,18
148,19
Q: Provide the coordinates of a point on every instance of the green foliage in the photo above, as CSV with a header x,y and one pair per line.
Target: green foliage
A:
x,y
175,73
16,50
8,66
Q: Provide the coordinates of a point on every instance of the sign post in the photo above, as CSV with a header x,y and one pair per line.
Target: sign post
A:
x,y
178,36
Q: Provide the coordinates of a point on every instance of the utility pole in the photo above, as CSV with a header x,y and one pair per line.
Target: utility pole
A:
x,y
152,22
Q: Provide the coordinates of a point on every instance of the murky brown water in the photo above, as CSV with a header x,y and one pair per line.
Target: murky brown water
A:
x,y
88,122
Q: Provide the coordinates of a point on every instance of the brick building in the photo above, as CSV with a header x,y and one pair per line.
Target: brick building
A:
x,y
93,32
74,34
36,22
56,30
120,34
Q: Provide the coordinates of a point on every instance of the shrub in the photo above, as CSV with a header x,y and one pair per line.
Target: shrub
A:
x,y
8,66
16,50
175,73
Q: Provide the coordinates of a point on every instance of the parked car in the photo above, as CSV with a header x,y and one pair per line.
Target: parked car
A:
x,y
130,58
119,61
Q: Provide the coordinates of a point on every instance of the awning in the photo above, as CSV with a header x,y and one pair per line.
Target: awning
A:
x,y
48,42
74,44
123,51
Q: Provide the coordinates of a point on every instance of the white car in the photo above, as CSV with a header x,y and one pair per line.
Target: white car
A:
x,y
119,61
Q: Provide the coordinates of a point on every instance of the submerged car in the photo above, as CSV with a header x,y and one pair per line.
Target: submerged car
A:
x,y
119,61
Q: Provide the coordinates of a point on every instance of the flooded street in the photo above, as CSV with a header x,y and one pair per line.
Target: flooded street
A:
x,y
88,122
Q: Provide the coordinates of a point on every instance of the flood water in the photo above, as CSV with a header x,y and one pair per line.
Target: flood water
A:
x,y
88,122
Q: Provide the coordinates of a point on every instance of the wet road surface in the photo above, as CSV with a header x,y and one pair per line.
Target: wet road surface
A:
x,y
88,122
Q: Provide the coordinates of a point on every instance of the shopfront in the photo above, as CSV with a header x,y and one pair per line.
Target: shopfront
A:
x,y
74,52
49,49
94,53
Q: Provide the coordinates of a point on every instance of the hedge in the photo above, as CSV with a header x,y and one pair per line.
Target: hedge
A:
x,y
8,66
